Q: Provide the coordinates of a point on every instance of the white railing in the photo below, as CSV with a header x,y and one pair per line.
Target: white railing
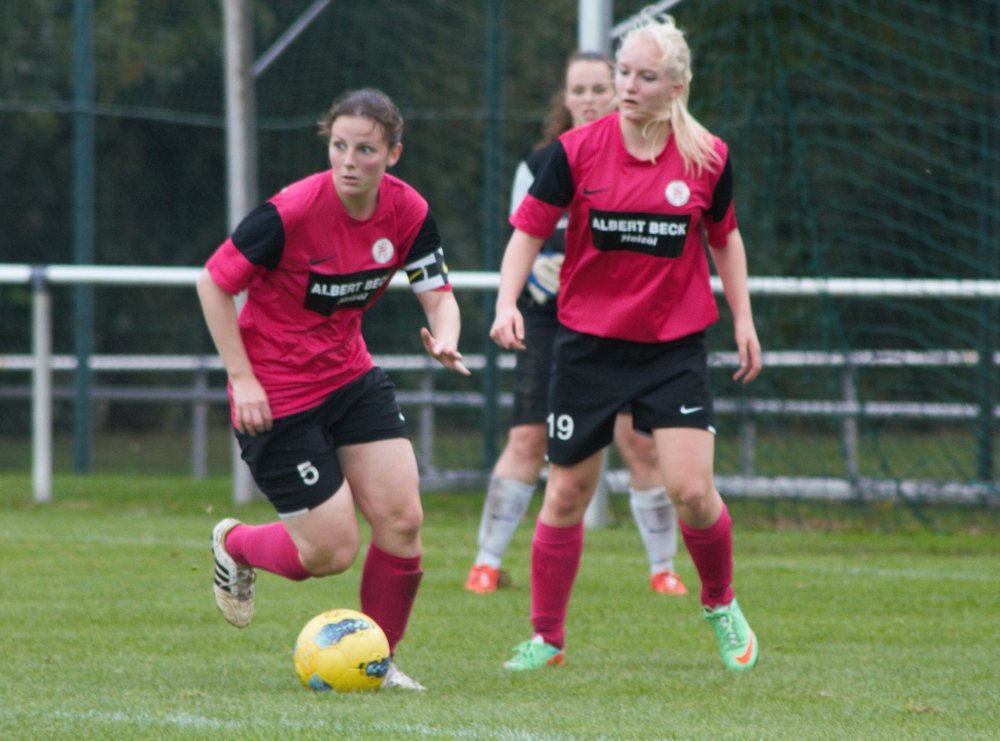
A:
x,y
199,392
41,363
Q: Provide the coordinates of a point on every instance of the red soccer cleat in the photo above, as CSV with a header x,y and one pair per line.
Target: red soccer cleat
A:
x,y
483,579
667,582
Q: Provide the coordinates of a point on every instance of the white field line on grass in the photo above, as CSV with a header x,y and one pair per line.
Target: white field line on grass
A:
x,y
764,564
149,541
187,720
144,541
879,571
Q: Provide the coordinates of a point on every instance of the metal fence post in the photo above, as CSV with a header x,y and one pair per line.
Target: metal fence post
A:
x,y
748,444
492,170
593,25
988,248
850,427
199,425
84,215
593,34
596,516
241,156
427,422
985,394
41,387
244,489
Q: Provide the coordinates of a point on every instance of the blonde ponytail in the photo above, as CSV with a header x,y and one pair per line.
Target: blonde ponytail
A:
x,y
693,140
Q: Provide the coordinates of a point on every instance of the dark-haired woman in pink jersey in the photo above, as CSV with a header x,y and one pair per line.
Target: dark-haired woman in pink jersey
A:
x,y
634,304
316,420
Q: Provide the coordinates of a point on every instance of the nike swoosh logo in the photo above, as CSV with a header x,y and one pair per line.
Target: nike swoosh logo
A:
x,y
748,654
317,262
690,410
587,192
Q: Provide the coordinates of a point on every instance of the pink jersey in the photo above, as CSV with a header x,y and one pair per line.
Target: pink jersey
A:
x,y
310,271
635,266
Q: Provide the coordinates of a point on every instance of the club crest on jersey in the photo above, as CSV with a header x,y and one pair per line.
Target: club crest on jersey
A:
x,y
657,235
677,193
382,251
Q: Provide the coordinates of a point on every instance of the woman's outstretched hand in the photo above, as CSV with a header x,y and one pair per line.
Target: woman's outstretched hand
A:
x,y
443,352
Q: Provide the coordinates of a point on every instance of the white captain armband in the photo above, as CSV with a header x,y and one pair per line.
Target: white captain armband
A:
x,y
428,272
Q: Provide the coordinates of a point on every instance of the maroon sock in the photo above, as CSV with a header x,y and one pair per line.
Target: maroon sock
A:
x,y
388,588
267,547
711,549
555,559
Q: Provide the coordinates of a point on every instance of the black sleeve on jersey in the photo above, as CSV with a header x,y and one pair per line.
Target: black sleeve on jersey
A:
x,y
261,236
723,194
539,157
427,240
554,180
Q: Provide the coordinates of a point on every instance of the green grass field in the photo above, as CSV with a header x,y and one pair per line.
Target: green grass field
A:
x,y
871,626
944,455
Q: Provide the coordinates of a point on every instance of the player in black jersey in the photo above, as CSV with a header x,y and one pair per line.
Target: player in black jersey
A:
x,y
587,96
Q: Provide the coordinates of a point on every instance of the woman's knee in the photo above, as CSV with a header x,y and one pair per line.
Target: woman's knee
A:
x,y
409,520
567,496
330,558
403,521
694,494
527,443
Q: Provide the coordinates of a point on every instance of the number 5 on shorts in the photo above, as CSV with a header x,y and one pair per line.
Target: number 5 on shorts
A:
x,y
308,473
561,426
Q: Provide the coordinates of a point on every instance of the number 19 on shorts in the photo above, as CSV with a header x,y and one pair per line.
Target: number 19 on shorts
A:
x,y
561,426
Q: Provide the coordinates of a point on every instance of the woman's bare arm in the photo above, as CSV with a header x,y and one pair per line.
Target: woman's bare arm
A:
x,y
731,262
251,410
445,321
508,327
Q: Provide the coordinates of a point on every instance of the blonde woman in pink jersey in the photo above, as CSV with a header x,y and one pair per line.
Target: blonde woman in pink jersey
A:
x,y
640,186
316,419
587,96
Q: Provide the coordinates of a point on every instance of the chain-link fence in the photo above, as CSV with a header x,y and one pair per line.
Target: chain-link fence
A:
x,y
865,139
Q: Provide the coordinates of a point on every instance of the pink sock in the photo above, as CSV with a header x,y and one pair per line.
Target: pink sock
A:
x,y
711,549
267,547
555,559
388,588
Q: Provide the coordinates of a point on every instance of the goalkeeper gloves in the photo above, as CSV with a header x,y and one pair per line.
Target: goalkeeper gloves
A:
x,y
543,283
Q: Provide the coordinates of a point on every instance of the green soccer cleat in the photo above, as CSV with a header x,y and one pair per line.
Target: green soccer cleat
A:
x,y
534,654
737,642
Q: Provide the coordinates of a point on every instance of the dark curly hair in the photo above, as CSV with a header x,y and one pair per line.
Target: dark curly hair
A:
x,y
370,103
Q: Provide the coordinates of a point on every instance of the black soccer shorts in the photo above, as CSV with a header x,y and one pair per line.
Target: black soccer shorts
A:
x,y
665,383
533,371
295,462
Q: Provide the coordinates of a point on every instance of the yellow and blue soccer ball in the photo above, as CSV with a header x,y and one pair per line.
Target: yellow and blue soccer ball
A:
x,y
342,650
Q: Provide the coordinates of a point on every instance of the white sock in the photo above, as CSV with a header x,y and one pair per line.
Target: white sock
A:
x,y
657,522
506,502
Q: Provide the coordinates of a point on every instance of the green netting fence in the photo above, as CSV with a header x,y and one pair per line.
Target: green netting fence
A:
x,y
865,138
